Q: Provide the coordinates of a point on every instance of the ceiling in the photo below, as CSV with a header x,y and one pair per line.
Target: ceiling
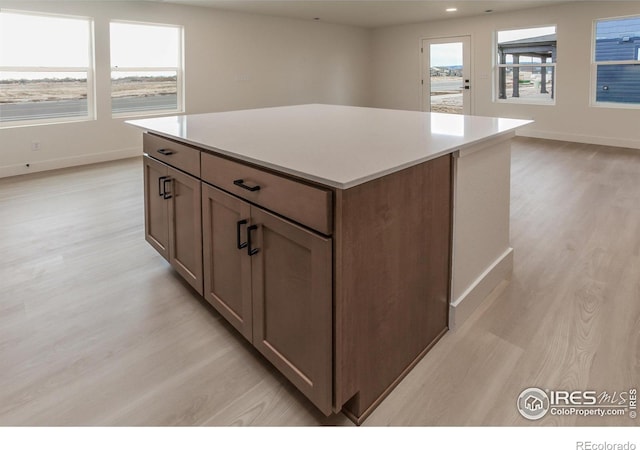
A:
x,y
368,13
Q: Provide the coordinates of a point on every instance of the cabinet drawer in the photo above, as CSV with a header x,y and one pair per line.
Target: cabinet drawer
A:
x,y
177,155
300,202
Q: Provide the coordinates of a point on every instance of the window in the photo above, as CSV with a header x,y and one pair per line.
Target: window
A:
x,y
526,69
616,70
146,68
46,72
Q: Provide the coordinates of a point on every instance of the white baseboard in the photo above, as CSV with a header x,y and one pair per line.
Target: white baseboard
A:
x,y
580,138
61,163
462,307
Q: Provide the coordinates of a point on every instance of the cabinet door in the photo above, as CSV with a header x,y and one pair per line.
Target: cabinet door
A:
x,y
292,303
227,267
185,227
156,216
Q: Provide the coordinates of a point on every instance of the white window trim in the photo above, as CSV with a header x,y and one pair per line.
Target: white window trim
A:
x,y
178,69
593,103
91,87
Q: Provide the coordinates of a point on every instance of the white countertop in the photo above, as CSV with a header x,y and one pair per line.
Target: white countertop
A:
x,y
338,146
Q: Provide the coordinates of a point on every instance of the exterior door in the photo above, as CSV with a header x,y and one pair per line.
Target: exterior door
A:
x,y
156,212
446,75
292,303
227,267
185,226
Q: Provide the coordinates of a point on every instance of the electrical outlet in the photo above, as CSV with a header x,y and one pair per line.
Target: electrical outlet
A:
x,y
35,146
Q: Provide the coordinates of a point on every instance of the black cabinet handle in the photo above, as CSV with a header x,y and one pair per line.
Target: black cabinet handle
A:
x,y
240,245
161,186
165,151
244,186
166,195
251,251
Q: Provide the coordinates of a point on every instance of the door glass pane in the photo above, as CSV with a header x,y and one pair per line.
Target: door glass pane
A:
x,y
445,64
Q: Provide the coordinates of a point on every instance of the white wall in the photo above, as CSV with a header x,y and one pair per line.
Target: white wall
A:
x,y
291,61
396,71
282,62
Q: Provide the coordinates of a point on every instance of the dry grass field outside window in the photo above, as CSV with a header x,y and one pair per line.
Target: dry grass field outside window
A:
x,y
50,90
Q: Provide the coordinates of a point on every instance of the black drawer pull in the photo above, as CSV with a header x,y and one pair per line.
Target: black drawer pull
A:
x,y
165,151
240,245
251,251
161,186
166,195
244,186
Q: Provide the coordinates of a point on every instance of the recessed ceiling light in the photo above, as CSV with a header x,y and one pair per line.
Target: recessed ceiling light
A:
x,y
451,9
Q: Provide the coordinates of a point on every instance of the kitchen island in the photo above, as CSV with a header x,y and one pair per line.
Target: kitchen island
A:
x,y
342,242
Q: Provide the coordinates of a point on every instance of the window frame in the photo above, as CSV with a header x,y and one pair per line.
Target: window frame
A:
x,y
594,68
90,71
180,104
497,66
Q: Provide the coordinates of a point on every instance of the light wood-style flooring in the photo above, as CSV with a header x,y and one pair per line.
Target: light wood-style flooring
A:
x,y
97,329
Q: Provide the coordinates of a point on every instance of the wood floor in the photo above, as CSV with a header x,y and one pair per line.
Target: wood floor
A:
x,y
96,329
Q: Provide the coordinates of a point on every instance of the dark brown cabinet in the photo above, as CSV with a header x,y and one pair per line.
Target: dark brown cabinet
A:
x,y
272,280
342,290
227,268
156,207
173,224
292,304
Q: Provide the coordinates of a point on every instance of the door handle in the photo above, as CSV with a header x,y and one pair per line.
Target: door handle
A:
x,y
166,195
165,151
161,186
251,251
239,244
244,186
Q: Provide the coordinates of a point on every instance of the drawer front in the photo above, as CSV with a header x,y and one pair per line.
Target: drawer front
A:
x,y
297,201
177,155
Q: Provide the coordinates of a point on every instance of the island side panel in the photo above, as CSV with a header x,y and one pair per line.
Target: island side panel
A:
x,y
482,255
393,240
